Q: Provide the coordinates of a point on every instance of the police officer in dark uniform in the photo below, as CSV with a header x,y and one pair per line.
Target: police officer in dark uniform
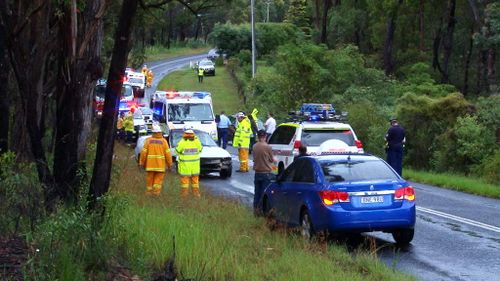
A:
x,y
395,139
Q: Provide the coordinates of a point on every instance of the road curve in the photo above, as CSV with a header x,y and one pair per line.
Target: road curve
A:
x,y
457,235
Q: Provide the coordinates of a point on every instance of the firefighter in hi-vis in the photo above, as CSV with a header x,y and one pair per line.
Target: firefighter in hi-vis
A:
x,y
188,162
156,159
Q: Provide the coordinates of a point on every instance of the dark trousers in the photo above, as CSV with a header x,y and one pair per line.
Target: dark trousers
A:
x,y
222,137
261,181
200,78
130,136
395,158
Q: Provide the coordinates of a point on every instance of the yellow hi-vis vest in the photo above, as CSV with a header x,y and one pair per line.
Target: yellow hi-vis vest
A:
x,y
188,156
128,123
200,72
242,134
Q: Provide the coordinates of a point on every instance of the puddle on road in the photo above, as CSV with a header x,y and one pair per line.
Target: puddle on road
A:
x,y
458,228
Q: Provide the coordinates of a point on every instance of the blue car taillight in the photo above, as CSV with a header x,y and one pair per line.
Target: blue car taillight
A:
x,y
405,193
330,197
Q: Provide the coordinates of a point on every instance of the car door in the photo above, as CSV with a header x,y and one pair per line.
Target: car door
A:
x,y
282,146
285,184
300,189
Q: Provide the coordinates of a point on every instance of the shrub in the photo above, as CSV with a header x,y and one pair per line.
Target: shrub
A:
x,y
21,195
489,168
425,120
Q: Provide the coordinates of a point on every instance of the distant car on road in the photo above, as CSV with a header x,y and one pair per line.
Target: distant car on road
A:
x,y
342,193
212,158
208,67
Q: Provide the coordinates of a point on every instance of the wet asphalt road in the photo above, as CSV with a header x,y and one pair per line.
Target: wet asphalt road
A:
x,y
457,235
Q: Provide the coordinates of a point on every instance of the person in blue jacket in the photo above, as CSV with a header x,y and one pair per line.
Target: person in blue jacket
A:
x,y
395,138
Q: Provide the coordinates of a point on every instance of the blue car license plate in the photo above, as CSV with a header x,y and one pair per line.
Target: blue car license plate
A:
x,y
372,199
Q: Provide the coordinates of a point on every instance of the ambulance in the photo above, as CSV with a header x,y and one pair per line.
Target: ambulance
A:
x,y
181,110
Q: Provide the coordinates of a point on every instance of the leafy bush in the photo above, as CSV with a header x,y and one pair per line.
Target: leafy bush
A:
x,y
231,39
21,195
464,146
74,241
425,120
489,168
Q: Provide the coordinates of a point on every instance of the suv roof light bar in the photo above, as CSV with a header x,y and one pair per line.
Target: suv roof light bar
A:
x,y
317,112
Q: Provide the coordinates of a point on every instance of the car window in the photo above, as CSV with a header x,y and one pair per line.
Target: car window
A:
x,y
356,170
317,137
305,172
205,138
289,173
127,91
282,135
190,112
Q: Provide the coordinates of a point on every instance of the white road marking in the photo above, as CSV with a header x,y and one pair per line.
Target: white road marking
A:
x,y
245,187
459,219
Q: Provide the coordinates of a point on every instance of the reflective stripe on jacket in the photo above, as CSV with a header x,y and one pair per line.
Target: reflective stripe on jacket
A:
x,y
242,134
188,156
156,156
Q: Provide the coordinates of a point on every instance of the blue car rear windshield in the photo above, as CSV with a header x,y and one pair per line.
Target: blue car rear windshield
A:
x,y
336,171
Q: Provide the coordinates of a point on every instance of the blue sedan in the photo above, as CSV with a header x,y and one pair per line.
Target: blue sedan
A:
x,y
342,193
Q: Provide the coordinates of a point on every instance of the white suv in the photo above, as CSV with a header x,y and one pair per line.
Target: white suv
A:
x,y
319,136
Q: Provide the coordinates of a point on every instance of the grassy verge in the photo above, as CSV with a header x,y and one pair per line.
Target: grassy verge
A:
x,y
219,239
222,87
155,53
455,182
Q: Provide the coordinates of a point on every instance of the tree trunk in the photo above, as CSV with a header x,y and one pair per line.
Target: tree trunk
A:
x,y
448,41
29,49
4,95
490,63
421,25
389,40
79,69
327,4
105,145
465,89
481,81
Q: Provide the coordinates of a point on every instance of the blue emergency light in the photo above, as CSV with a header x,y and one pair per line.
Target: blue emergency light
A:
x,y
200,95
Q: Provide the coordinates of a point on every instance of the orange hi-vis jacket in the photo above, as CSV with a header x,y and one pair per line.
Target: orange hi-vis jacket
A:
x,y
156,156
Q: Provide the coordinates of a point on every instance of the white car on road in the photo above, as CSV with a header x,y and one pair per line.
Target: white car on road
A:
x,y
212,158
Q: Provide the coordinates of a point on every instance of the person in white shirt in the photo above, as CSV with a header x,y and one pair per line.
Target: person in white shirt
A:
x,y
270,125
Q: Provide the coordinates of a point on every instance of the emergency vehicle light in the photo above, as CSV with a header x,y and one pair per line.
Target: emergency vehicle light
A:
x,y
171,95
200,95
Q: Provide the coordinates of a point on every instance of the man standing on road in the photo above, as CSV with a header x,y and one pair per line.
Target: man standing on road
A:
x,y
270,125
395,138
263,165
241,140
155,158
201,72
188,161
223,127
128,126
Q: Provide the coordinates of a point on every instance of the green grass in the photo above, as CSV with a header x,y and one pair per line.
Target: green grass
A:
x,y
155,53
219,239
455,182
221,86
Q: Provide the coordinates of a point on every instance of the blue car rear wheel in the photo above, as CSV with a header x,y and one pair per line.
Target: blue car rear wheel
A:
x,y
403,237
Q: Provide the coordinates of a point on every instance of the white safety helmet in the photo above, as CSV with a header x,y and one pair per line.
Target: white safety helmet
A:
x,y
156,128
189,131
240,114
